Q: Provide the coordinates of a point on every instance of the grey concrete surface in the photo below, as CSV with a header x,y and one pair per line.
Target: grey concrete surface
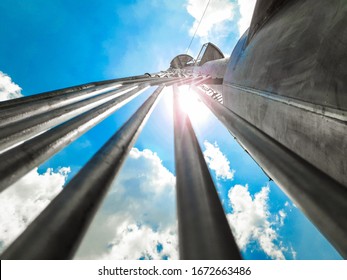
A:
x,y
298,54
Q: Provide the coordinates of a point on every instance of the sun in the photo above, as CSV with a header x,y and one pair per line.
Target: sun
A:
x,y
191,104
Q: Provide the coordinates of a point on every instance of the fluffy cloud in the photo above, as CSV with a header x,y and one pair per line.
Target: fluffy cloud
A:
x,y
280,217
137,218
134,241
8,89
246,8
293,252
214,24
250,220
217,161
25,199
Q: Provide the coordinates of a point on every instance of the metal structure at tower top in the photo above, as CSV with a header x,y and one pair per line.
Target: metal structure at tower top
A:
x,y
281,94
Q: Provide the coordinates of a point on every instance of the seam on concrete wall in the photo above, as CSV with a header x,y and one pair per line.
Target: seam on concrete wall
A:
x,y
336,114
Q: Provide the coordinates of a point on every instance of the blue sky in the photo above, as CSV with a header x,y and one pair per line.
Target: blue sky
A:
x,y
54,44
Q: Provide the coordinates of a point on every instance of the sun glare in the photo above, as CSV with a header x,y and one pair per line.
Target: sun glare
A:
x,y
190,103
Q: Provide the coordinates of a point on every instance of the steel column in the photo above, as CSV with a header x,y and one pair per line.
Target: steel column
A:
x,y
204,232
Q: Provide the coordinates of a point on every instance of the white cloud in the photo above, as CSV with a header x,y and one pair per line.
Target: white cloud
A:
x,y
8,89
216,19
293,252
25,199
134,241
217,161
137,214
281,216
246,8
250,220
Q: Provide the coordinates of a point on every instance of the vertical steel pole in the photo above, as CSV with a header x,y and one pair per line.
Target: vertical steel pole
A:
x,y
204,232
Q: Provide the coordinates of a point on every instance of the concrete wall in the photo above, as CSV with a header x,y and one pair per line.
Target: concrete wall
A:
x,y
290,81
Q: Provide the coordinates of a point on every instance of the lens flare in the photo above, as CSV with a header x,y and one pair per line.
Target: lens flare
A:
x,y
190,103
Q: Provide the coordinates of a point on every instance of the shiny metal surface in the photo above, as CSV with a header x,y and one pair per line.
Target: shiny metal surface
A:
x,y
24,129
53,93
204,232
15,113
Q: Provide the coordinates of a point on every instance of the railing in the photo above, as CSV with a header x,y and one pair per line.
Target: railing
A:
x,y
35,128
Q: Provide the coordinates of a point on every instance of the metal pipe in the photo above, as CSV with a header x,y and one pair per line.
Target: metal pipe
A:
x,y
320,197
201,81
28,127
53,93
19,160
159,81
16,113
204,232
58,230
